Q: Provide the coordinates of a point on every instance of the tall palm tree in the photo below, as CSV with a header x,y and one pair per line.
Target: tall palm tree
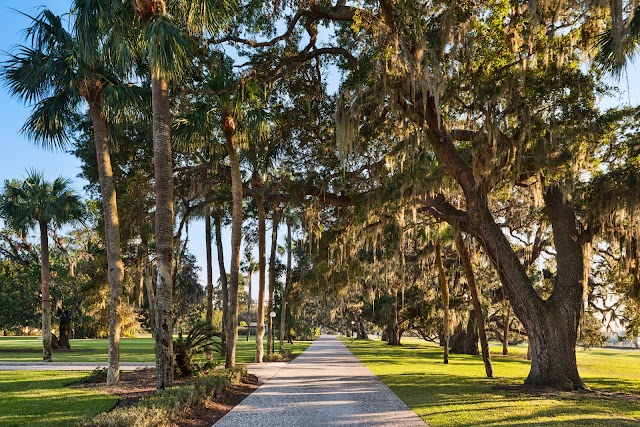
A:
x,y
169,51
249,266
60,71
37,202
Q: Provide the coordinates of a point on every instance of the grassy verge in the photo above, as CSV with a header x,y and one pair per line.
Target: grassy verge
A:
x,y
29,349
458,394
39,399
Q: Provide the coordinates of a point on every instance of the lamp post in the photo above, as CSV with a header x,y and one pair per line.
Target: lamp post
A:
x,y
271,334
353,322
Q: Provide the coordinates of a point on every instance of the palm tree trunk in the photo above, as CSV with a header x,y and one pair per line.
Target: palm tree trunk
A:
x,y
272,272
229,128
223,282
444,289
287,283
249,278
45,275
477,307
112,237
207,236
148,285
163,174
262,263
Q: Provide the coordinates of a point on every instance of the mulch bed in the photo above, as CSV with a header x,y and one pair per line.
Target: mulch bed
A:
x,y
137,384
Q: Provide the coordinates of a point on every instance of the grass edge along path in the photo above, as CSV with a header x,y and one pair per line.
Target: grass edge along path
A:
x,y
41,399
29,349
459,394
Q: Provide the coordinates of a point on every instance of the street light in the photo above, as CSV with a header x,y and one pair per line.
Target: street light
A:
x,y
353,322
271,334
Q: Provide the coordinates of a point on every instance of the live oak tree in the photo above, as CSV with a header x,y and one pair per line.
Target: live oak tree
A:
x,y
494,111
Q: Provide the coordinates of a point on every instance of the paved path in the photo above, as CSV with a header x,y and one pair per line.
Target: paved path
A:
x,y
324,386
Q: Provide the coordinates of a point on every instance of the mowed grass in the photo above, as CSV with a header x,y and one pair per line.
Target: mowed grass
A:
x,y
29,349
459,394
40,399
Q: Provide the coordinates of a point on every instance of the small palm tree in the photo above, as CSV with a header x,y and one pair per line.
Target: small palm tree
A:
x,y
37,202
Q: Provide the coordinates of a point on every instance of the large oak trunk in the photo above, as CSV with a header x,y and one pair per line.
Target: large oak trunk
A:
x,y
115,265
229,128
551,324
163,174
45,276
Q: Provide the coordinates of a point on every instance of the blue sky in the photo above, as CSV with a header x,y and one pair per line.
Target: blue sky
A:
x,y
18,154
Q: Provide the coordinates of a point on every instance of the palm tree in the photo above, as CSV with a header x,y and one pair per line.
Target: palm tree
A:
x,y
169,52
249,266
37,202
59,71
618,44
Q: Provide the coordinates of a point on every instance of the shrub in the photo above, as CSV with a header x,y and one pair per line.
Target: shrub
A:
x,y
199,342
98,375
166,408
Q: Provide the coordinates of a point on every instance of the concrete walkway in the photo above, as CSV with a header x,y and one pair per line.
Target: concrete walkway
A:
x,y
324,386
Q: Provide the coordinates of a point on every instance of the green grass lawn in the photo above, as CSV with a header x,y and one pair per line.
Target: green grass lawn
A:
x,y
458,394
40,399
29,349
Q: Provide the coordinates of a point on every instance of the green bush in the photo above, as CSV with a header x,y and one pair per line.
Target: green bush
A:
x,y
166,407
98,375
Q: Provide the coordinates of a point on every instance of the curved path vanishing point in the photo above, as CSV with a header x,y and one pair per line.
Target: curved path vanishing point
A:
x,y
325,386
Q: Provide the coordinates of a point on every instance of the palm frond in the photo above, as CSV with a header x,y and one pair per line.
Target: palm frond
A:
x,y
205,16
169,50
49,122
612,58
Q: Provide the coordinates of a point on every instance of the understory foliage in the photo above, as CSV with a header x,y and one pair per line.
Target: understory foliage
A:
x,y
166,408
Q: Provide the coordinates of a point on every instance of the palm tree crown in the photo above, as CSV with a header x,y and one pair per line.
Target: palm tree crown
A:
x,y
35,200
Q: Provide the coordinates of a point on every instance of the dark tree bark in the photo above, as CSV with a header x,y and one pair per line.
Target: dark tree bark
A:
x,y
393,334
505,333
64,314
464,339
444,290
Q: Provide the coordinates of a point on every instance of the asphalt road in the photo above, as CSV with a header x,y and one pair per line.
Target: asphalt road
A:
x,y
324,386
